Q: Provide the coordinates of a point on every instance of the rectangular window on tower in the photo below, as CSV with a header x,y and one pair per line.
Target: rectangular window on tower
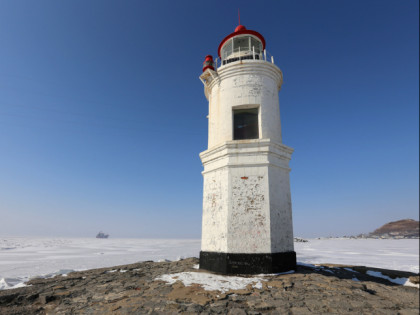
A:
x,y
245,124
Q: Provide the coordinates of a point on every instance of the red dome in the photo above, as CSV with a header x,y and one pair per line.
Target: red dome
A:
x,y
240,28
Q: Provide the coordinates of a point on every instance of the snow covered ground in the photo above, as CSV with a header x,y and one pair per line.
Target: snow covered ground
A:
x,y
23,258
387,254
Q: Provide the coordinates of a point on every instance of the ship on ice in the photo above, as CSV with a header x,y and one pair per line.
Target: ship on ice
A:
x,y
102,235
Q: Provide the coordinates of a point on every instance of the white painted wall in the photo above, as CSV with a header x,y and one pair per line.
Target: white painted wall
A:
x,y
246,200
215,213
250,83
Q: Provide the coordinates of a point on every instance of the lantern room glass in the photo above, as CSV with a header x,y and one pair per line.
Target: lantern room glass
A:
x,y
240,46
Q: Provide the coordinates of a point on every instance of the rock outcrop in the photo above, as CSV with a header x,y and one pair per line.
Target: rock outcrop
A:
x,y
399,229
134,289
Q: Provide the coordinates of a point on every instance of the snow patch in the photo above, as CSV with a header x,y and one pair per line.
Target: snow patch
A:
x,y
61,272
400,281
275,274
408,283
212,282
11,283
258,285
306,265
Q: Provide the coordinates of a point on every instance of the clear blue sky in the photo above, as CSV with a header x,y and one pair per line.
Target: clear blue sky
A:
x,y
102,114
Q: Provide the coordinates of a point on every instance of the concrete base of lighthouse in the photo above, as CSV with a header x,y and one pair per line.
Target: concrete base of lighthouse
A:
x,y
247,215
226,263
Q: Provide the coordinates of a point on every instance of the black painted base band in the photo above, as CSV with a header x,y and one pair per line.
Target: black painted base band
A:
x,y
226,263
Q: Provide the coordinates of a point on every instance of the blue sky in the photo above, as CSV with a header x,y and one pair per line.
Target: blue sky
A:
x,y
102,114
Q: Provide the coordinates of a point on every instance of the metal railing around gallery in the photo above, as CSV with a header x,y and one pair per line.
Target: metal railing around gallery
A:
x,y
239,54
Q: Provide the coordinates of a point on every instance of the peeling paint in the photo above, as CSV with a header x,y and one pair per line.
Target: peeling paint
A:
x,y
246,199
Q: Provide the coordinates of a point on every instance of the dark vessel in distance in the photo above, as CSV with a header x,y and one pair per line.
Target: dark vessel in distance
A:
x,y
102,235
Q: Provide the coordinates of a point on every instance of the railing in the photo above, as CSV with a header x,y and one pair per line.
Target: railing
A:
x,y
238,55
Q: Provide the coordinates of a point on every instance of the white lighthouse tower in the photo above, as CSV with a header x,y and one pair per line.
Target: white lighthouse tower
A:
x,y
247,214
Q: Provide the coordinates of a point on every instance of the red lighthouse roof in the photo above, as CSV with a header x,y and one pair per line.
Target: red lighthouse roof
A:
x,y
241,30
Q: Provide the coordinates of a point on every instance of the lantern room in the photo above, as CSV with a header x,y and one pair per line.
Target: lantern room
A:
x,y
241,44
208,63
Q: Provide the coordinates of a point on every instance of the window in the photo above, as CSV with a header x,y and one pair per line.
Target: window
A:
x,y
241,43
256,44
227,49
245,124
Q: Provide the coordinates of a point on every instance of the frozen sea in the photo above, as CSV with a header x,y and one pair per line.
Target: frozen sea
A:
x,y
22,258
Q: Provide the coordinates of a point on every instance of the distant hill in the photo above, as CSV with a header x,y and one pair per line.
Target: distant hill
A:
x,y
407,228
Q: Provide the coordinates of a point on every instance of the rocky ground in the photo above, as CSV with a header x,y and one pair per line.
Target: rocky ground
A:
x,y
133,289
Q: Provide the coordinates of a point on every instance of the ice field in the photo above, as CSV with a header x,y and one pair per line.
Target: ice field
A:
x,y
22,258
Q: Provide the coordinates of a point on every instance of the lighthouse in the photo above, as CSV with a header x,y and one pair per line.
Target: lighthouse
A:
x,y
247,213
